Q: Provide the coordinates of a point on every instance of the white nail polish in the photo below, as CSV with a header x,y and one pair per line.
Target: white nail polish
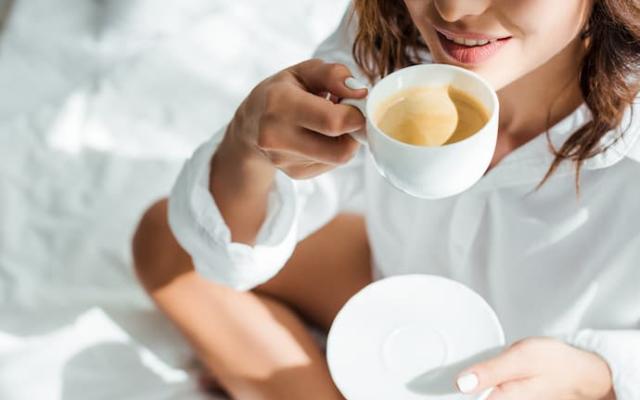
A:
x,y
354,84
467,383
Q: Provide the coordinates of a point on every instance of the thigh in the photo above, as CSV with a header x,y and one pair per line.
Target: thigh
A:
x,y
325,270
255,346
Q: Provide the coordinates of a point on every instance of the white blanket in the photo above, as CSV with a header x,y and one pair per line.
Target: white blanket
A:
x,y
100,102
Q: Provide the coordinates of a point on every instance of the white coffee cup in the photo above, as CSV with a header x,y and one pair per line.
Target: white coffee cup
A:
x,y
430,172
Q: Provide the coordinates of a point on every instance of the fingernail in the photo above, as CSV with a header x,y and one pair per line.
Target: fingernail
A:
x,y
467,383
354,84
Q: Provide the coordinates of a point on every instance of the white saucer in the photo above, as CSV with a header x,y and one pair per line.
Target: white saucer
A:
x,y
408,337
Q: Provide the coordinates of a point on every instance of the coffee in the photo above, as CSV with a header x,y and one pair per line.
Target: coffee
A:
x,y
431,116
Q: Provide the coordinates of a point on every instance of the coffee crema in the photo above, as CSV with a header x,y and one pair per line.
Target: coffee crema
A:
x,y
431,115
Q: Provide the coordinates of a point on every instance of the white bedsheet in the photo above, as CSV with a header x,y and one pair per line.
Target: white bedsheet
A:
x,y
100,101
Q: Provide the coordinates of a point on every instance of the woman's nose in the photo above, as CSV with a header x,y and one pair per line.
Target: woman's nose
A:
x,y
454,10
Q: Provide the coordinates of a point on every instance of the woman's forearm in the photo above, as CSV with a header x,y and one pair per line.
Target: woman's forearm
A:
x,y
240,181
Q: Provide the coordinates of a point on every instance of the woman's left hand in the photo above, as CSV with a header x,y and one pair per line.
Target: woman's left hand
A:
x,y
541,368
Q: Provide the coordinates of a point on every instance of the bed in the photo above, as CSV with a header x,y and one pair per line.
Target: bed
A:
x,y
100,103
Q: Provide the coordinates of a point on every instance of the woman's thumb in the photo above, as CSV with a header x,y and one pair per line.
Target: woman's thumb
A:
x,y
320,77
498,370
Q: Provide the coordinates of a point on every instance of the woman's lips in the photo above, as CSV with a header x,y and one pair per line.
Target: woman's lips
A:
x,y
471,54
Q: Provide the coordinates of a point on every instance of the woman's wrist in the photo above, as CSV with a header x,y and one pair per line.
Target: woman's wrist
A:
x,y
240,180
239,164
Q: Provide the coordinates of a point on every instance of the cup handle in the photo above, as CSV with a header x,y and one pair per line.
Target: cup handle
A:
x,y
361,105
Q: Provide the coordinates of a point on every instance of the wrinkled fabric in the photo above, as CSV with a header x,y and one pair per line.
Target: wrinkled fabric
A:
x,y
101,101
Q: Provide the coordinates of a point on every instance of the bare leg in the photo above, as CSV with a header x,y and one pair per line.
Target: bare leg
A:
x,y
253,342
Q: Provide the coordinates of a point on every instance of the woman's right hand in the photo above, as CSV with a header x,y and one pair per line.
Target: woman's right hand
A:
x,y
288,120
285,123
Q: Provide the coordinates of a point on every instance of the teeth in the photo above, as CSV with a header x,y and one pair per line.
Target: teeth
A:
x,y
459,40
470,42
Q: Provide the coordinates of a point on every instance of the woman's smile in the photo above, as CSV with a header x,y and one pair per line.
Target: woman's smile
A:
x,y
470,49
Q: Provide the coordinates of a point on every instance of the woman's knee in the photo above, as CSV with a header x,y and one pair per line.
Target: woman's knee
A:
x,y
157,256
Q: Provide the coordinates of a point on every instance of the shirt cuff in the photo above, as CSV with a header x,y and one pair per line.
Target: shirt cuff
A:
x,y
621,350
199,227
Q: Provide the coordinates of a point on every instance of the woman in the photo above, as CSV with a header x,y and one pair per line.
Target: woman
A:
x,y
549,236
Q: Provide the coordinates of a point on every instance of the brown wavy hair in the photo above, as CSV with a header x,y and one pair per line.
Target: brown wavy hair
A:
x,y
387,40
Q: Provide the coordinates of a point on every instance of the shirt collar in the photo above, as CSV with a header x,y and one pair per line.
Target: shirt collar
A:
x,y
530,162
618,143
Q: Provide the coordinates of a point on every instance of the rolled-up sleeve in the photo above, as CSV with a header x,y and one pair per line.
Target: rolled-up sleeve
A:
x,y
621,350
295,208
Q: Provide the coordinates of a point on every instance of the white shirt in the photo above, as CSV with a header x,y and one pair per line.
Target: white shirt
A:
x,y
549,262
